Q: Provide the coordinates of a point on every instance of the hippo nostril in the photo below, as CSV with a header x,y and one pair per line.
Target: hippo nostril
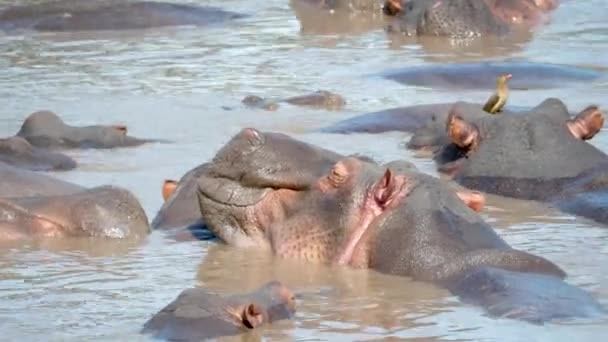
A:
x,y
254,136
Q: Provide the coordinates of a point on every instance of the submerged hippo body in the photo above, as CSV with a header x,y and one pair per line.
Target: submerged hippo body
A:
x,y
198,314
19,152
317,99
76,15
46,129
526,75
468,18
542,156
104,211
16,182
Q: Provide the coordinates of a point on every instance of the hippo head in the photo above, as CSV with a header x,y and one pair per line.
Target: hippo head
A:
x,y
47,129
453,18
333,224
253,181
269,303
104,211
19,152
528,157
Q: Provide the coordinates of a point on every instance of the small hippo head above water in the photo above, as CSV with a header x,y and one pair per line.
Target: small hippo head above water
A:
x,y
18,152
199,314
46,129
529,157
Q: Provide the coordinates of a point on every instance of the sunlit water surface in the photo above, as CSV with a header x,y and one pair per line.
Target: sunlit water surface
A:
x,y
185,85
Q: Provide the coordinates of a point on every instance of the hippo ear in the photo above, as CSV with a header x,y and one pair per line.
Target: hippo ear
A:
x,y
388,188
168,188
123,129
463,134
473,199
252,316
586,124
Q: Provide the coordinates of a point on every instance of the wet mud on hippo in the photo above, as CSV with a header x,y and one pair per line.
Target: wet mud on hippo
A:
x,y
47,129
318,99
18,152
401,222
481,76
105,211
76,15
198,313
544,156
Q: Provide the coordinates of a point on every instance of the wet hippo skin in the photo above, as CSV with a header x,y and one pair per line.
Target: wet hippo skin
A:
x,y
543,156
17,182
47,129
105,211
466,18
198,314
19,152
365,215
76,15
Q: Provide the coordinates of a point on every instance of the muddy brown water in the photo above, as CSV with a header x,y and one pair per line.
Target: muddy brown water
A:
x,y
185,84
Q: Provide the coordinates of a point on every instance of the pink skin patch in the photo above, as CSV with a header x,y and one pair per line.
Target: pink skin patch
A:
x,y
384,195
437,4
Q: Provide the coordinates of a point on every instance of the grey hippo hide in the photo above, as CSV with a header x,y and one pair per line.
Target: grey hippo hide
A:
x,y
543,156
38,206
78,15
410,224
46,129
467,18
389,218
199,314
19,152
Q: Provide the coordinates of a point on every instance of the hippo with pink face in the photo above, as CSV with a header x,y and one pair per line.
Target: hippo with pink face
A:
x,y
359,213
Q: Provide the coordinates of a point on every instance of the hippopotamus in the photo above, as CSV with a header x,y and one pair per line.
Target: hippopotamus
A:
x,y
199,314
104,211
542,156
318,99
76,15
482,75
47,129
409,119
466,18
403,223
19,152
433,136
17,182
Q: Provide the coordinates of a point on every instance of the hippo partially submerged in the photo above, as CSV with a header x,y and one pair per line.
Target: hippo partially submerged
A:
x,y
467,18
46,129
19,152
361,214
542,156
104,211
318,99
77,15
198,313
17,182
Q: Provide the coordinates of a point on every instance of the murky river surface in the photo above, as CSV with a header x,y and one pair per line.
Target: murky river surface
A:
x,y
174,83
